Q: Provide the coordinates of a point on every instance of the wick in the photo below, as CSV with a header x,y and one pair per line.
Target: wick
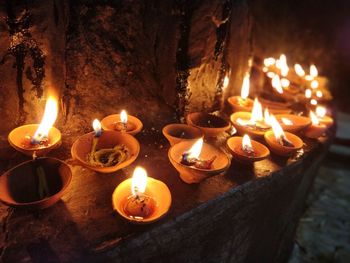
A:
x,y
248,150
285,142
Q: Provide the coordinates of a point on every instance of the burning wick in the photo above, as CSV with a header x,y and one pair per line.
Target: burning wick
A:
x,y
50,114
257,121
191,158
98,131
245,89
123,123
286,121
247,146
138,205
279,134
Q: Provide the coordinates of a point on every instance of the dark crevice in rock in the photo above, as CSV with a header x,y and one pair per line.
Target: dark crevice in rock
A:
x,y
182,58
5,231
222,33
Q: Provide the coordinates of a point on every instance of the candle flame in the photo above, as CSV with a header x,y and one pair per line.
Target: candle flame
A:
x,y
196,149
286,121
246,143
123,116
283,66
313,102
257,113
319,94
321,111
276,84
269,62
308,77
313,71
48,120
276,128
285,83
96,124
226,82
314,84
245,86
299,70
270,74
265,69
308,93
314,119
267,117
139,181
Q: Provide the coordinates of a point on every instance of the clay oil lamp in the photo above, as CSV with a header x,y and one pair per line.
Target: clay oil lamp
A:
x,y
280,142
35,184
292,123
39,138
177,132
246,150
197,161
105,151
211,125
242,103
141,199
322,117
316,129
122,122
252,123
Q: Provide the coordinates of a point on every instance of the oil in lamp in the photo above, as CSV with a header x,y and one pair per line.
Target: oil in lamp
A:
x,y
322,117
280,142
242,103
197,161
106,151
39,138
122,122
252,123
141,199
316,129
247,150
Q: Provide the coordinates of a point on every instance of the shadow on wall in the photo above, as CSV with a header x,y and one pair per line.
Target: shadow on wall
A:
x,y
308,31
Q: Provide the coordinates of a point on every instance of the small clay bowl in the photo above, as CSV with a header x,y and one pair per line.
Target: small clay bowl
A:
x,y
19,185
177,132
299,122
16,139
315,131
209,124
235,146
279,149
190,174
234,101
155,189
275,107
326,120
241,130
108,139
134,125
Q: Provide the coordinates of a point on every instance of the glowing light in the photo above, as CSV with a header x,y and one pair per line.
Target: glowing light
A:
x,y
245,86
314,84
269,62
96,124
276,128
308,93
267,117
321,111
257,113
265,69
270,74
283,65
313,102
319,94
247,144
276,84
48,120
299,70
313,71
196,149
314,119
226,82
123,116
139,181
285,83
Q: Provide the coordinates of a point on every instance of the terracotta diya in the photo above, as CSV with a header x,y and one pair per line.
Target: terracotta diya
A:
x,y
275,107
293,123
35,184
316,129
242,103
247,150
177,132
106,151
322,117
280,142
209,124
253,123
39,138
197,161
122,122
141,199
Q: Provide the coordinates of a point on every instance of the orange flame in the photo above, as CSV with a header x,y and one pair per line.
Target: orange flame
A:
x,y
308,93
314,118
299,70
269,62
245,86
276,128
321,111
257,113
314,84
196,149
276,84
313,71
123,116
139,181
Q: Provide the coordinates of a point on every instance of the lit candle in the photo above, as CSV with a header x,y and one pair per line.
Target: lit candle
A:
x,y
141,199
292,123
247,145
40,138
322,117
316,129
122,122
242,103
276,84
280,142
97,133
299,70
308,93
191,157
